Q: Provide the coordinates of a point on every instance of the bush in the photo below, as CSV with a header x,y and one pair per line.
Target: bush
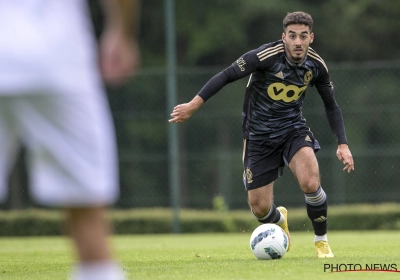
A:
x,y
33,222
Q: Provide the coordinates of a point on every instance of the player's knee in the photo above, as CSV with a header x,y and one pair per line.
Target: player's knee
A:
x,y
260,209
310,185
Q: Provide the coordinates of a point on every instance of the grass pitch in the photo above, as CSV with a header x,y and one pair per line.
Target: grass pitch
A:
x,y
208,256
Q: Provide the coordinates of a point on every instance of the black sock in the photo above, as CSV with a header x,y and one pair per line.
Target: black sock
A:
x,y
317,215
273,216
317,211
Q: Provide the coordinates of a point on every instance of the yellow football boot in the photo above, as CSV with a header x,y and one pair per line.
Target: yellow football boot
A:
x,y
284,225
323,249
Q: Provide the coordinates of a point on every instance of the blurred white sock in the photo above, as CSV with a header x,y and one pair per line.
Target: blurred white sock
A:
x,y
104,270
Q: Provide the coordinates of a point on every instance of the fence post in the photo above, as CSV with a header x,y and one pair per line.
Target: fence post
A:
x,y
173,147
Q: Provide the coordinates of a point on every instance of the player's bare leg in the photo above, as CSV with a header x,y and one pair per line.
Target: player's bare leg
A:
x,y
261,199
89,229
261,204
304,166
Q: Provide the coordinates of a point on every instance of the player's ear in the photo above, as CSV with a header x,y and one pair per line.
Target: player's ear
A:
x,y
311,37
284,37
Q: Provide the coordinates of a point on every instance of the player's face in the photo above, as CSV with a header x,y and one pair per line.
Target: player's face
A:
x,y
297,39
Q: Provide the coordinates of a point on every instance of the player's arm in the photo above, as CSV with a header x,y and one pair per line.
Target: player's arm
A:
x,y
119,50
122,15
327,91
183,111
242,67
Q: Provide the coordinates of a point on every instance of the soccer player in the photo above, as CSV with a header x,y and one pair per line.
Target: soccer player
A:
x,y
52,100
275,133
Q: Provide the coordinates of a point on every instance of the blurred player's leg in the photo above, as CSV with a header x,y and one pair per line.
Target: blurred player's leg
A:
x,y
9,144
73,165
89,229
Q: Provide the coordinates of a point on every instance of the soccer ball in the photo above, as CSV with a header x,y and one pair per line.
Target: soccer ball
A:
x,y
268,242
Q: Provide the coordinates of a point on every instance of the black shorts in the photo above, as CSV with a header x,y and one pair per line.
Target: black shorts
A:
x,y
264,160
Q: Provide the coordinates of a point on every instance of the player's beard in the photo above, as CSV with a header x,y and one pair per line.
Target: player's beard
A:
x,y
292,55
298,57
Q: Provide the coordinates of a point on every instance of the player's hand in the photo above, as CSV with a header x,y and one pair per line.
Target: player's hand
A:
x,y
183,111
344,155
119,57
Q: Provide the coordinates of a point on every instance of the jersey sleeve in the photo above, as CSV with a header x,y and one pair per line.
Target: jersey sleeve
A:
x,y
247,64
327,90
242,67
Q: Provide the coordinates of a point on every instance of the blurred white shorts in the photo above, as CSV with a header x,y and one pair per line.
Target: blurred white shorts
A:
x,y
70,142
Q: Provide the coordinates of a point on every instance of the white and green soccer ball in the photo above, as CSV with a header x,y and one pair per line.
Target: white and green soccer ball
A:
x,y
269,242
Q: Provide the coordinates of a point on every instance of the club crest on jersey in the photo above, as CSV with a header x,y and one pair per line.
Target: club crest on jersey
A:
x,y
308,77
279,91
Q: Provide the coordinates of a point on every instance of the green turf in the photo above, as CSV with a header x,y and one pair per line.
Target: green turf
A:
x,y
206,256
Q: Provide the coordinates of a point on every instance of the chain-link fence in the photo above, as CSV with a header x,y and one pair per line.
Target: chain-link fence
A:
x,y
210,143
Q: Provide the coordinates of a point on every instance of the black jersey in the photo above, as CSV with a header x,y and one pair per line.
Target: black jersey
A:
x,y
276,90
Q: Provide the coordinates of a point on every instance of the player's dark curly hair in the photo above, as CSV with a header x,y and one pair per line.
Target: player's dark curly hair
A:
x,y
298,18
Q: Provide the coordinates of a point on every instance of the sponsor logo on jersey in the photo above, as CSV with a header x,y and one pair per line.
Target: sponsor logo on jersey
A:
x,y
241,63
308,139
279,91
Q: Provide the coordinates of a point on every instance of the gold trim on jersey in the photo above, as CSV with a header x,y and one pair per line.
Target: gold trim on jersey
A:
x,y
270,52
248,83
244,149
314,55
